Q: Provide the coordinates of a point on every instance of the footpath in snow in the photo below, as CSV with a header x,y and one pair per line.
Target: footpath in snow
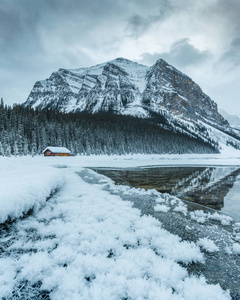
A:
x,y
86,242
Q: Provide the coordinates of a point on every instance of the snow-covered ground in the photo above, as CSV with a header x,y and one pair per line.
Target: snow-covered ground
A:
x,y
85,242
27,181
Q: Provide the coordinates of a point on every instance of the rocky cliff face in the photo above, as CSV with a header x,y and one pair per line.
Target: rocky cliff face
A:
x,y
177,93
125,87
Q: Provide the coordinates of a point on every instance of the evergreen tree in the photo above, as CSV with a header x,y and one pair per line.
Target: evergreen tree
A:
x,y
34,144
25,147
15,149
19,141
1,149
8,151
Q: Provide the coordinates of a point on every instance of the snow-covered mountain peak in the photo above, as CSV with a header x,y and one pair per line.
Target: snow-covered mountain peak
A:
x,y
122,86
123,63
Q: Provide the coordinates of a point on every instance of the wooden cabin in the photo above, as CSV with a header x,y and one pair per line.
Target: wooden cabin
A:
x,y
56,151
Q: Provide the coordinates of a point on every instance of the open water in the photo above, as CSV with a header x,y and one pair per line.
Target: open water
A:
x,y
201,187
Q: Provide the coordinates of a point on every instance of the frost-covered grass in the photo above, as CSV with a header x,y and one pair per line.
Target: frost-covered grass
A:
x,y
85,242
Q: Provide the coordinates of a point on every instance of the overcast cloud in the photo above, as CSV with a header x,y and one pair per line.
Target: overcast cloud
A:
x,y
201,38
181,54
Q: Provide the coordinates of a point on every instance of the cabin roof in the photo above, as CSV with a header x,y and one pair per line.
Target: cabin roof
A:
x,y
57,149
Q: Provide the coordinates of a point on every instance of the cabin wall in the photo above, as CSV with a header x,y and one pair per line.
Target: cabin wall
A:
x,y
49,153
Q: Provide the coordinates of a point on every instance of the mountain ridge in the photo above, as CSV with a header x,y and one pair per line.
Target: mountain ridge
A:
x,y
124,87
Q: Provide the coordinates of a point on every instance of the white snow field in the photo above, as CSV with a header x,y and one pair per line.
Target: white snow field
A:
x,y
23,188
85,242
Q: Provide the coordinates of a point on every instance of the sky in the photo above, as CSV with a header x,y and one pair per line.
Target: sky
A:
x,y
200,38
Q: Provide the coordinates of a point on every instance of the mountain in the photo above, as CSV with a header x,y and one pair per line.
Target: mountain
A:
x,y
160,93
233,120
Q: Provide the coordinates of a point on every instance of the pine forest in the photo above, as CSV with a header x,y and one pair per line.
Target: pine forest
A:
x,y
28,131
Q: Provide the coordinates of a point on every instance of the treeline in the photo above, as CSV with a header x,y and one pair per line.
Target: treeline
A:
x,y
25,131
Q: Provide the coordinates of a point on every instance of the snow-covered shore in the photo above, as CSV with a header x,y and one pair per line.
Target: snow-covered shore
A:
x,y
86,242
27,181
26,187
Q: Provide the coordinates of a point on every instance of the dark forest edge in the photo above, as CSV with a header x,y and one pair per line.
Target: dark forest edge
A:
x,y
24,131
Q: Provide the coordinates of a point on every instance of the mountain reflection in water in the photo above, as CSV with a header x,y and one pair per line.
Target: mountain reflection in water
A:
x,y
213,187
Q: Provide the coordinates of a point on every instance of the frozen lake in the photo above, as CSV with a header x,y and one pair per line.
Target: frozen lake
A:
x,y
211,187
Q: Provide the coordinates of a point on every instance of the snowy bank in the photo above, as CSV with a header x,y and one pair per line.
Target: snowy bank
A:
x,y
24,187
87,243
26,182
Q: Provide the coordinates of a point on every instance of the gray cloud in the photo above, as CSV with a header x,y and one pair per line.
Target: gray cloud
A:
x,y
38,37
228,11
139,24
24,22
232,56
181,54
